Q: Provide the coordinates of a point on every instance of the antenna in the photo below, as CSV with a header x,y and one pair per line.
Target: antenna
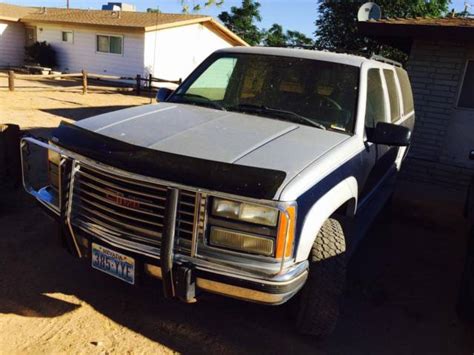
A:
x,y
369,11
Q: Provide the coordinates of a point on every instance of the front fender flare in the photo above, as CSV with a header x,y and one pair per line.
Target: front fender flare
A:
x,y
332,200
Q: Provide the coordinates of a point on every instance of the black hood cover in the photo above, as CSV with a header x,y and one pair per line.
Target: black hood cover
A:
x,y
194,172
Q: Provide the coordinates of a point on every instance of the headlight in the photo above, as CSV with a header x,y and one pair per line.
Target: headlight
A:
x,y
238,241
245,212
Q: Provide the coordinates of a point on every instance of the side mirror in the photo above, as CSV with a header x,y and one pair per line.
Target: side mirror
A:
x,y
391,134
163,94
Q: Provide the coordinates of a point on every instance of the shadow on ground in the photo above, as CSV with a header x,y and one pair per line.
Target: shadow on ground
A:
x,y
401,292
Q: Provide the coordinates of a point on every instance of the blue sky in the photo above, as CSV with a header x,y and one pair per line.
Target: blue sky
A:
x,y
292,14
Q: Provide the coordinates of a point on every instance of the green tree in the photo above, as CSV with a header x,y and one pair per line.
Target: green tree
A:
x,y
153,11
336,26
196,6
277,37
241,20
298,39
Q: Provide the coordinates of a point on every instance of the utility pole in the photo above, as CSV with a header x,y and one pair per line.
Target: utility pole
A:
x,y
67,4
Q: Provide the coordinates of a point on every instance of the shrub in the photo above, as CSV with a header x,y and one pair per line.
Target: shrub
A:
x,y
41,53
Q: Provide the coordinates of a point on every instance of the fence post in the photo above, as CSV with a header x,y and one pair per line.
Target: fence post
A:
x,y
139,83
149,82
84,82
11,80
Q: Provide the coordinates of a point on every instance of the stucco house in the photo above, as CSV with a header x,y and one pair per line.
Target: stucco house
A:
x,y
441,68
125,43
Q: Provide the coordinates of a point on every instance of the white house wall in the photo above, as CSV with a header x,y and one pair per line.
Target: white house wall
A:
x,y
12,43
175,52
82,54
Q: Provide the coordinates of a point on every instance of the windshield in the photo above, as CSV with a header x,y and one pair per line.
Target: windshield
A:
x,y
309,92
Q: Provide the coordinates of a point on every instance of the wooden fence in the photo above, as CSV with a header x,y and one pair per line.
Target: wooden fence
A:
x,y
85,76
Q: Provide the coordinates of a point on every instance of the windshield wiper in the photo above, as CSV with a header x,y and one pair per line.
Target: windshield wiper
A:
x,y
206,101
287,114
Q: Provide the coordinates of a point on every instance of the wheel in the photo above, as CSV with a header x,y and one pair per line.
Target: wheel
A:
x,y
465,306
317,306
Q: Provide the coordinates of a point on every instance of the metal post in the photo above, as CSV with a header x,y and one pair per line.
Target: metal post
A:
x,y
139,79
149,82
167,243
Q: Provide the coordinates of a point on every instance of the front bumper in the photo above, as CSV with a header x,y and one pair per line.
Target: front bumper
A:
x,y
205,277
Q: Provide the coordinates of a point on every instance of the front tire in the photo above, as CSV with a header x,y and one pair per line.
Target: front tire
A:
x,y
319,301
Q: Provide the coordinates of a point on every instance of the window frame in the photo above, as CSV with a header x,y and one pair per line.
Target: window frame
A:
x,y
469,59
122,38
62,37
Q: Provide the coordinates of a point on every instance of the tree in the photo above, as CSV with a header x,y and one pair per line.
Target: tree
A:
x,y
198,6
298,39
276,37
41,53
337,23
241,20
153,11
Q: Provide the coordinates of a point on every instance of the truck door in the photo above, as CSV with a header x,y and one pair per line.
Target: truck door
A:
x,y
377,110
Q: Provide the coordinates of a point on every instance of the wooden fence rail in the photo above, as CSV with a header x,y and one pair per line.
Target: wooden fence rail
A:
x,y
84,75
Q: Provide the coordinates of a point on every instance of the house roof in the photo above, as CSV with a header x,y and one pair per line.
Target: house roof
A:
x,y
400,32
13,13
122,19
425,27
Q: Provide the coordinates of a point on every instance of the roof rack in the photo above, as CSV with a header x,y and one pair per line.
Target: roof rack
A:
x,y
379,58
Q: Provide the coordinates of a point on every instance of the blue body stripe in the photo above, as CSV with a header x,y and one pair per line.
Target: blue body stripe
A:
x,y
353,167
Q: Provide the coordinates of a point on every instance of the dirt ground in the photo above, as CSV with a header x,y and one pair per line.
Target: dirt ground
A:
x,y
401,292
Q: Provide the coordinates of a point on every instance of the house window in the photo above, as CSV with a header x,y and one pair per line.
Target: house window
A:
x,y
109,44
67,36
466,97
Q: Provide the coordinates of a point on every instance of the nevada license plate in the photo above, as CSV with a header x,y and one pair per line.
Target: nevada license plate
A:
x,y
113,263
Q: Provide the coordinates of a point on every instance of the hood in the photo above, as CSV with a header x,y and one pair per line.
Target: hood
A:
x,y
215,135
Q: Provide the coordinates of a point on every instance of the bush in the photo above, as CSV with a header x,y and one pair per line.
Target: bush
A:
x,y
41,53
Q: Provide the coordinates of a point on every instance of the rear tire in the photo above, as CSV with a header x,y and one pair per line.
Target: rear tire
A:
x,y
319,301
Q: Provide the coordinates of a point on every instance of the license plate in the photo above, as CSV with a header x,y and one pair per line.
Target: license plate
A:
x,y
113,263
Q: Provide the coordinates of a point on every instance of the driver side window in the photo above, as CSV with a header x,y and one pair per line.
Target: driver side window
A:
x,y
375,105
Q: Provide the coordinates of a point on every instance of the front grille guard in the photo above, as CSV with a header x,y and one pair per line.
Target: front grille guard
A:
x,y
229,266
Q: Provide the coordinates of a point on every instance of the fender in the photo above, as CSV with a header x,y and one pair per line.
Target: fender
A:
x,y
343,192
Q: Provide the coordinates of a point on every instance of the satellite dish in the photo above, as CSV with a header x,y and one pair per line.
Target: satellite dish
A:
x,y
369,11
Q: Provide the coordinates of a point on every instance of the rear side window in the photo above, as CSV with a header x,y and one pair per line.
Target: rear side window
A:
x,y
466,97
407,94
392,95
375,107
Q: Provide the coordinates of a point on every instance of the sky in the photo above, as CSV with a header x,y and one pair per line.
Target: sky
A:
x,y
296,15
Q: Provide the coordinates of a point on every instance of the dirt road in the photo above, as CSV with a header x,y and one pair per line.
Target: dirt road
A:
x,y
401,295
400,298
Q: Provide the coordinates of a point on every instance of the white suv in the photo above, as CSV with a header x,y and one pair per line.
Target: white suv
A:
x,y
243,182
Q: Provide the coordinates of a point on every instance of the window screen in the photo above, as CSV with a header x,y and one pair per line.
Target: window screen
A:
x,y
109,44
392,95
407,94
375,107
67,37
466,97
